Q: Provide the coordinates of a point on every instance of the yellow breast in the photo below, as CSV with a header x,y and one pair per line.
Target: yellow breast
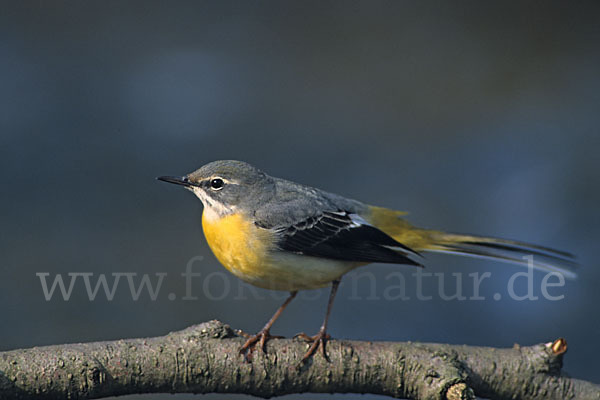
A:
x,y
247,251
237,243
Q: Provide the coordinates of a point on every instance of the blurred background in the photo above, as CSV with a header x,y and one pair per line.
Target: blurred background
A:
x,y
478,117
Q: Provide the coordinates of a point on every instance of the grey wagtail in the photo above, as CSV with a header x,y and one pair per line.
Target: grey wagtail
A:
x,y
282,235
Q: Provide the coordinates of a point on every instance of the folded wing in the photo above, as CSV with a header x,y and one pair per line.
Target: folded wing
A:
x,y
343,236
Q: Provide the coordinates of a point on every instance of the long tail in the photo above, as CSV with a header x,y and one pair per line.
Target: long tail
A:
x,y
511,251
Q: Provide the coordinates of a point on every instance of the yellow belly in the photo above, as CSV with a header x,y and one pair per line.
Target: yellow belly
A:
x,y
247,252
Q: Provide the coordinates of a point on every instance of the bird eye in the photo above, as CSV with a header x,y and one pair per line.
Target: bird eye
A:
x,y
217,184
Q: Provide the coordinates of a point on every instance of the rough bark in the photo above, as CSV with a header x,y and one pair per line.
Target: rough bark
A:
x,y
204,359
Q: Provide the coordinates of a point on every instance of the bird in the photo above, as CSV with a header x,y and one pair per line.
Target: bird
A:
x,y
280,235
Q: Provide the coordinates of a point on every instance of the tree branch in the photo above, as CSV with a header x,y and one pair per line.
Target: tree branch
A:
x,y
204,359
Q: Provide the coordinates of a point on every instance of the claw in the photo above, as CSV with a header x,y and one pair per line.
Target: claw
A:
x,y
261,339
318,341
304,337
263,336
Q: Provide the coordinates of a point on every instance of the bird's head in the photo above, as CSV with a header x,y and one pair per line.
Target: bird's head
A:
x,y
225,186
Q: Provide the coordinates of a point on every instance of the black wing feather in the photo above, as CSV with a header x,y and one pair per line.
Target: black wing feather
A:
x,y
336,236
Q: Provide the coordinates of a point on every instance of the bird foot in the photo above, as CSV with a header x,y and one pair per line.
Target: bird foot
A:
x,y
259,339
318,341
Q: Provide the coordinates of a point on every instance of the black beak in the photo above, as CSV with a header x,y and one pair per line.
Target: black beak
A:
x,y
184,181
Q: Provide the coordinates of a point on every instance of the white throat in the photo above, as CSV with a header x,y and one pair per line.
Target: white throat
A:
x,y
213,210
